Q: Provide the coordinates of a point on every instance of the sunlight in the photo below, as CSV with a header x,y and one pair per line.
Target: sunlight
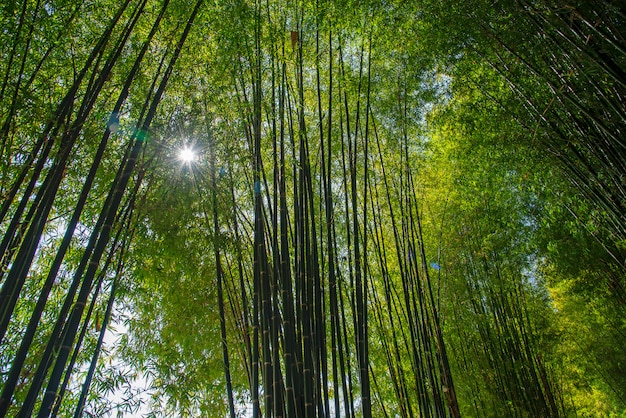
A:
x,y
187,155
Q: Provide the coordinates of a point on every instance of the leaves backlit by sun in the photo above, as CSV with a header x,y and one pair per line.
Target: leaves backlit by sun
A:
x,y
187,155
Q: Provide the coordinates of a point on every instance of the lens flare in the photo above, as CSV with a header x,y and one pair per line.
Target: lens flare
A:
x,y
187,155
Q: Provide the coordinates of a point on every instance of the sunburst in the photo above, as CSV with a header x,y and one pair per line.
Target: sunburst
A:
x,y
187,155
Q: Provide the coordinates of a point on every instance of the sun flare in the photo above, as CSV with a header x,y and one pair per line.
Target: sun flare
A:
x,y
187,155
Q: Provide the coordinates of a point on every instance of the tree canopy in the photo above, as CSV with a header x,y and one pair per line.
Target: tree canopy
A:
x,y
256,208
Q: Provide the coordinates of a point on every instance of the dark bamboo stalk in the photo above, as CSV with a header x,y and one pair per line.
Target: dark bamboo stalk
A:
x,y
18,362
109,214
259,227
82,400
220,276
45,198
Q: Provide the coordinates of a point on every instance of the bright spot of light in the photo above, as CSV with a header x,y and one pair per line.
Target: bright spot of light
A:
x,y
187,155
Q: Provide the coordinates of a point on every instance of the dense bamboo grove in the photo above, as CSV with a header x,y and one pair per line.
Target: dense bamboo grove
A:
x,y
389,209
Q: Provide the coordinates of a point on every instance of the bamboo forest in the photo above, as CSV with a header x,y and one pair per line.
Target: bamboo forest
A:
x,y
314,208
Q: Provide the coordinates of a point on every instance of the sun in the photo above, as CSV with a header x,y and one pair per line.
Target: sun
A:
x,y
187,155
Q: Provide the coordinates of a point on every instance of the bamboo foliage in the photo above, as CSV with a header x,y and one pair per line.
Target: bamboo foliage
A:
x,y
31,213
299,356
583,82
350,270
